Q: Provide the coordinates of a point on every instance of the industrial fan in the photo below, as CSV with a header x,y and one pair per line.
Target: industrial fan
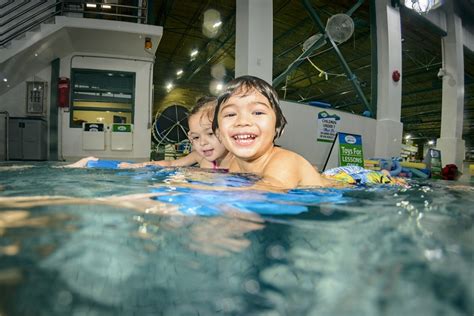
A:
x,y
170,130
340,27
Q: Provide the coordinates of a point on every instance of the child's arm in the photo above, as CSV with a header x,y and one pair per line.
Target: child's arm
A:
x,y
185,161
81,163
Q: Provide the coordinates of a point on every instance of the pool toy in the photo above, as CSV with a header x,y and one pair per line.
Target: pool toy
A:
x,y
415,173
393,166
372,164
358,175
415,165
450,172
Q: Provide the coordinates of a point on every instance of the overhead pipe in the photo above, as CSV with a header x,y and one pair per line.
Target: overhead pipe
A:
x,y
298,60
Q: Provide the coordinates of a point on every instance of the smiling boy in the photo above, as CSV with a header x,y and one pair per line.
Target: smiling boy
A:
x,y
248,119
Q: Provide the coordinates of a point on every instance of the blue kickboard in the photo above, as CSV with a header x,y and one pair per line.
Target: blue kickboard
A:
x,y
111,164
103,164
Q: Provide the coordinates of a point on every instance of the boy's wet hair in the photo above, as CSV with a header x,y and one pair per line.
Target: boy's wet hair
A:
x,y
245,84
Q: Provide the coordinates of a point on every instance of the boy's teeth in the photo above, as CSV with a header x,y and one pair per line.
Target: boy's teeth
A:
x,y
244,136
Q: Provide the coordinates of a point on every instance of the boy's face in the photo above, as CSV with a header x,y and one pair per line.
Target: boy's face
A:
x,y
247,125
204,142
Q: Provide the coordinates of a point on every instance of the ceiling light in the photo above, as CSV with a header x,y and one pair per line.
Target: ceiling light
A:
x,y
91,5
36,54
431,142
106,6
216,87
211,22
5,79
421,6
194,53
169,86
407,136
179,72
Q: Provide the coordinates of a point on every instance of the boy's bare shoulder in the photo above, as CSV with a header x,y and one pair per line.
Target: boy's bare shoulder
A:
x,y
288,169
285,155
288,162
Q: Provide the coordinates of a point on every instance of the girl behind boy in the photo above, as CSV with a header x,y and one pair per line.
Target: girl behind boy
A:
x,y
207,152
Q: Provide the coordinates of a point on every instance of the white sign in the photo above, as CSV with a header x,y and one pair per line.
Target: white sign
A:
x,y
327,127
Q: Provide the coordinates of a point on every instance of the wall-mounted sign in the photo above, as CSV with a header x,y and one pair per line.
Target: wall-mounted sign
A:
x,y
327,127
350,150
93,127
433,162
122,128
36,97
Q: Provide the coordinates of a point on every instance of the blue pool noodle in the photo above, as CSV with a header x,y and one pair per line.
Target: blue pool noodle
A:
x,y
418,173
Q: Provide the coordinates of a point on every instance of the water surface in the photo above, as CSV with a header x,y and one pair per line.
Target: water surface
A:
x,y
125,242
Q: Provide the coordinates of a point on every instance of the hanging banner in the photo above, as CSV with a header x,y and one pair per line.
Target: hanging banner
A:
x,y
350,150
327,127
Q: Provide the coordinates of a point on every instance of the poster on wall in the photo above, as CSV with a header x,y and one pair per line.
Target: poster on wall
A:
x,y
327,127
350,150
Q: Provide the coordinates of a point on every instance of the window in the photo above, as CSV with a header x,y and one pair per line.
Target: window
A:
x,y
102,96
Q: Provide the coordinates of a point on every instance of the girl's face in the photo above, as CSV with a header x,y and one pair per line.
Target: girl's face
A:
x,y
247,125
204,142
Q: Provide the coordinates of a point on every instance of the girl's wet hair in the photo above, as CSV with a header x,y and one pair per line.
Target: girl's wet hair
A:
x,y
245,84
206,104
202,103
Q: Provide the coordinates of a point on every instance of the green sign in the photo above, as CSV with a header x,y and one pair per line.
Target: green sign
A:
x,y
434,163
350,150
124,128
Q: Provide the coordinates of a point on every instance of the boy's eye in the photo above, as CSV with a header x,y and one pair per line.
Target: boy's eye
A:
x,y
210,134
259,113
229,114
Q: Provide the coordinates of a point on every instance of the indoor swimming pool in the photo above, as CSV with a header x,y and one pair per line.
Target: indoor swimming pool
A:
x,y
192,242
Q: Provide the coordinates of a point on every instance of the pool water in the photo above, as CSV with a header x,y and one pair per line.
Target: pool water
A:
x,y
192,242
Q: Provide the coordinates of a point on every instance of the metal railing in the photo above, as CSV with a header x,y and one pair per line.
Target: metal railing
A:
x,y
17,18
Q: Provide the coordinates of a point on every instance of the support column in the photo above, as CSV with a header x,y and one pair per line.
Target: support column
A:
x,y
254,38
389,93
53,111
451,143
